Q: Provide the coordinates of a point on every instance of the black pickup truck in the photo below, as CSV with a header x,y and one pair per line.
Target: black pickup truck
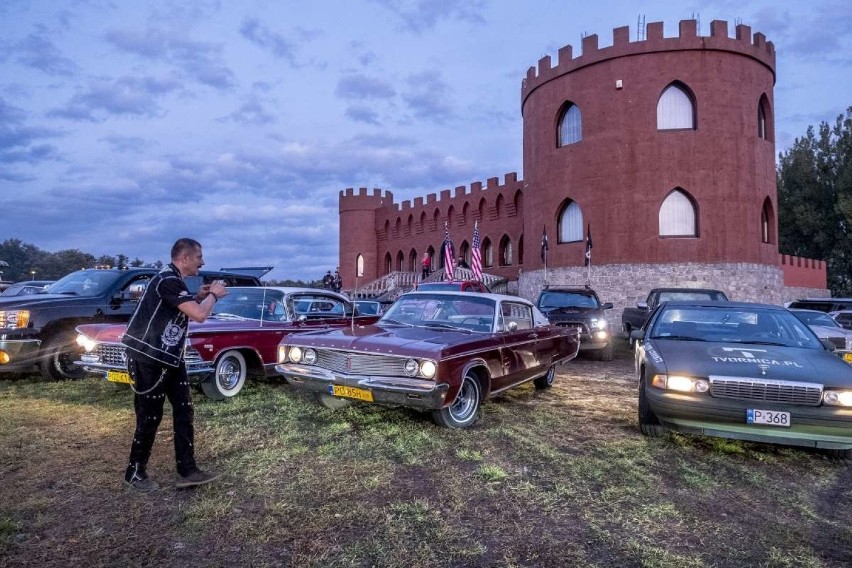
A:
x,y
37,331
635,318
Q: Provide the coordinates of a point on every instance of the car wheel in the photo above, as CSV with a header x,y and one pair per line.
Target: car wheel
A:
x,y
465,408
605,354
649,424
228,378
546,380
59,352
332,402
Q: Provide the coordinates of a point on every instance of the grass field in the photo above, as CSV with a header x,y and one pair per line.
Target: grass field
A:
x,y
555,478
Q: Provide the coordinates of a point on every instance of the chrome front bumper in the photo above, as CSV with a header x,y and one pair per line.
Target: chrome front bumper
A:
x,y
404,391
21,352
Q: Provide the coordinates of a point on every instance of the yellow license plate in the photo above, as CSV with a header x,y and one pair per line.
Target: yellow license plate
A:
x,y
847,357
351,392
118,377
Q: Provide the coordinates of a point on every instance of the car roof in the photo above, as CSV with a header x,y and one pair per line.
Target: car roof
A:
x,y
467,295
292,290
721,304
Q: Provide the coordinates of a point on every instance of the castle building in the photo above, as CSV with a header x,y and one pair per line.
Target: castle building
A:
x,y
660,152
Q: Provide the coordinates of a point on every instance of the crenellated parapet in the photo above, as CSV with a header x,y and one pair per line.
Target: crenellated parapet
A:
x,y
744,43
385,207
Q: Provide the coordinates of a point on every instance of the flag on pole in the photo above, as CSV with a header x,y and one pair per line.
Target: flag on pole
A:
x,y
449,257
588,245
544,245
475,255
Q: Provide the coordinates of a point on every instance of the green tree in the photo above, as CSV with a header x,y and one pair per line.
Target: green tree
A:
x,y
815,200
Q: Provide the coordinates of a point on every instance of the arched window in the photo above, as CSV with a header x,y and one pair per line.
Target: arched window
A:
x,y
481,209
436,217
570,223
410,226
450,214
767,222
521,249
676,108
431,252
412,261
500,206
400,260
764,119
505,251
570,125
678,215
465,212
398,227
487,253
422,221
387,229
519,204
464,252
388,263
359,265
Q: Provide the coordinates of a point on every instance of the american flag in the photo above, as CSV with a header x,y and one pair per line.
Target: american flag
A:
x,y
475,255
449,257
588,260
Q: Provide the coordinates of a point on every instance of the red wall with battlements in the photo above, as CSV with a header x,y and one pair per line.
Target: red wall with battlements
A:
x,y
803,272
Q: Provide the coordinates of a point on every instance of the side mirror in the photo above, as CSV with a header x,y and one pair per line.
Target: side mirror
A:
x,y
637,335
512,326
607,306
642,305
828,344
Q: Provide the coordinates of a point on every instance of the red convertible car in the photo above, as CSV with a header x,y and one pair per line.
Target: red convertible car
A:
x,y
441,351
240,337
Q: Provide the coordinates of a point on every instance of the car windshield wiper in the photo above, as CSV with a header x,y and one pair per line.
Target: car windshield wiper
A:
x,y
441,325
757,342
678,337
227,316
395,322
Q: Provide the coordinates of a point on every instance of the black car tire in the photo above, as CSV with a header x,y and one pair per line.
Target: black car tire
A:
x,y
546,380
464,410
59,351
649,424
332,402
840,454
229,376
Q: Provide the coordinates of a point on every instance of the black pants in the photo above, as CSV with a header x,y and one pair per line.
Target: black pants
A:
x,y
153,383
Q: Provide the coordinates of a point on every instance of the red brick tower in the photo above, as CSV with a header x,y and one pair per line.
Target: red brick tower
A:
x,y
619,161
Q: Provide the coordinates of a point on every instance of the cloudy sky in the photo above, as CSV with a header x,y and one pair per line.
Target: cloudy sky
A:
x,y
127,124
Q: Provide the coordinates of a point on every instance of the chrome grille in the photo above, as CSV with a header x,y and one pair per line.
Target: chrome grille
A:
x,y
112,354
765,390
360,364
578,325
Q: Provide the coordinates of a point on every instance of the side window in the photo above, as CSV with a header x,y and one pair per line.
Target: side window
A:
x,y
515,316
136,288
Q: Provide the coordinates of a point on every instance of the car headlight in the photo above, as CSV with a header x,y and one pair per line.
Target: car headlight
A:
x,y
86,343
14,319
411,367
428,369
295,354
309,356
837,397
282,353
600,323
680,383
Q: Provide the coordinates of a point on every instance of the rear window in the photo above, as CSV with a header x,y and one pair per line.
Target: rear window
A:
x,y
691,296
826,305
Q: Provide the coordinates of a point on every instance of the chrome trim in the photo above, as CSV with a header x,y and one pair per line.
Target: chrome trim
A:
x,y
766,390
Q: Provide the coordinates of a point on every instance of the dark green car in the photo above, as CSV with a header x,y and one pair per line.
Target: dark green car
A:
x,y
744,371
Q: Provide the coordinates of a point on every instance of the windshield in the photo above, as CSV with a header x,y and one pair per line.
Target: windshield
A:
x,y
816,318
733,325
551,300
251,303
690,296
469,312
83,283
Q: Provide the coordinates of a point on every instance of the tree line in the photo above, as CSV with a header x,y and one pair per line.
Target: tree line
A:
x,y
815,200
814,216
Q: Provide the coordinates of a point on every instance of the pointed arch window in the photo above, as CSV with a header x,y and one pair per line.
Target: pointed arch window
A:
x,y
400,261
570,125
359,265
678,215
521,249
767,222
487,253
570,223
505,251
412,261
388,263
676,108
765,127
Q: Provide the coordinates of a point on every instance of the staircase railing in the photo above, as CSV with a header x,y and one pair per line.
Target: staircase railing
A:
x,y
390,286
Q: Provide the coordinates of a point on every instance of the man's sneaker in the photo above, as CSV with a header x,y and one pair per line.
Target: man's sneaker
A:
x,y
142,484
197,477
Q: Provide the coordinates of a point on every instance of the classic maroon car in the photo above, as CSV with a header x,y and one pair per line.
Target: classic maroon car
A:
x,y
441,351
240,337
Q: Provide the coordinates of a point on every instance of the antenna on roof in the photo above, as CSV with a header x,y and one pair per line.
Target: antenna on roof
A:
x,y
640,27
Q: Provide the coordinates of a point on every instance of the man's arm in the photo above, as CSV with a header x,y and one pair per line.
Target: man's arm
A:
x,y
199,311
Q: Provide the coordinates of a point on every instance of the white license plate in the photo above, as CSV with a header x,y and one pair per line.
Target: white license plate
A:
x,y
768,417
